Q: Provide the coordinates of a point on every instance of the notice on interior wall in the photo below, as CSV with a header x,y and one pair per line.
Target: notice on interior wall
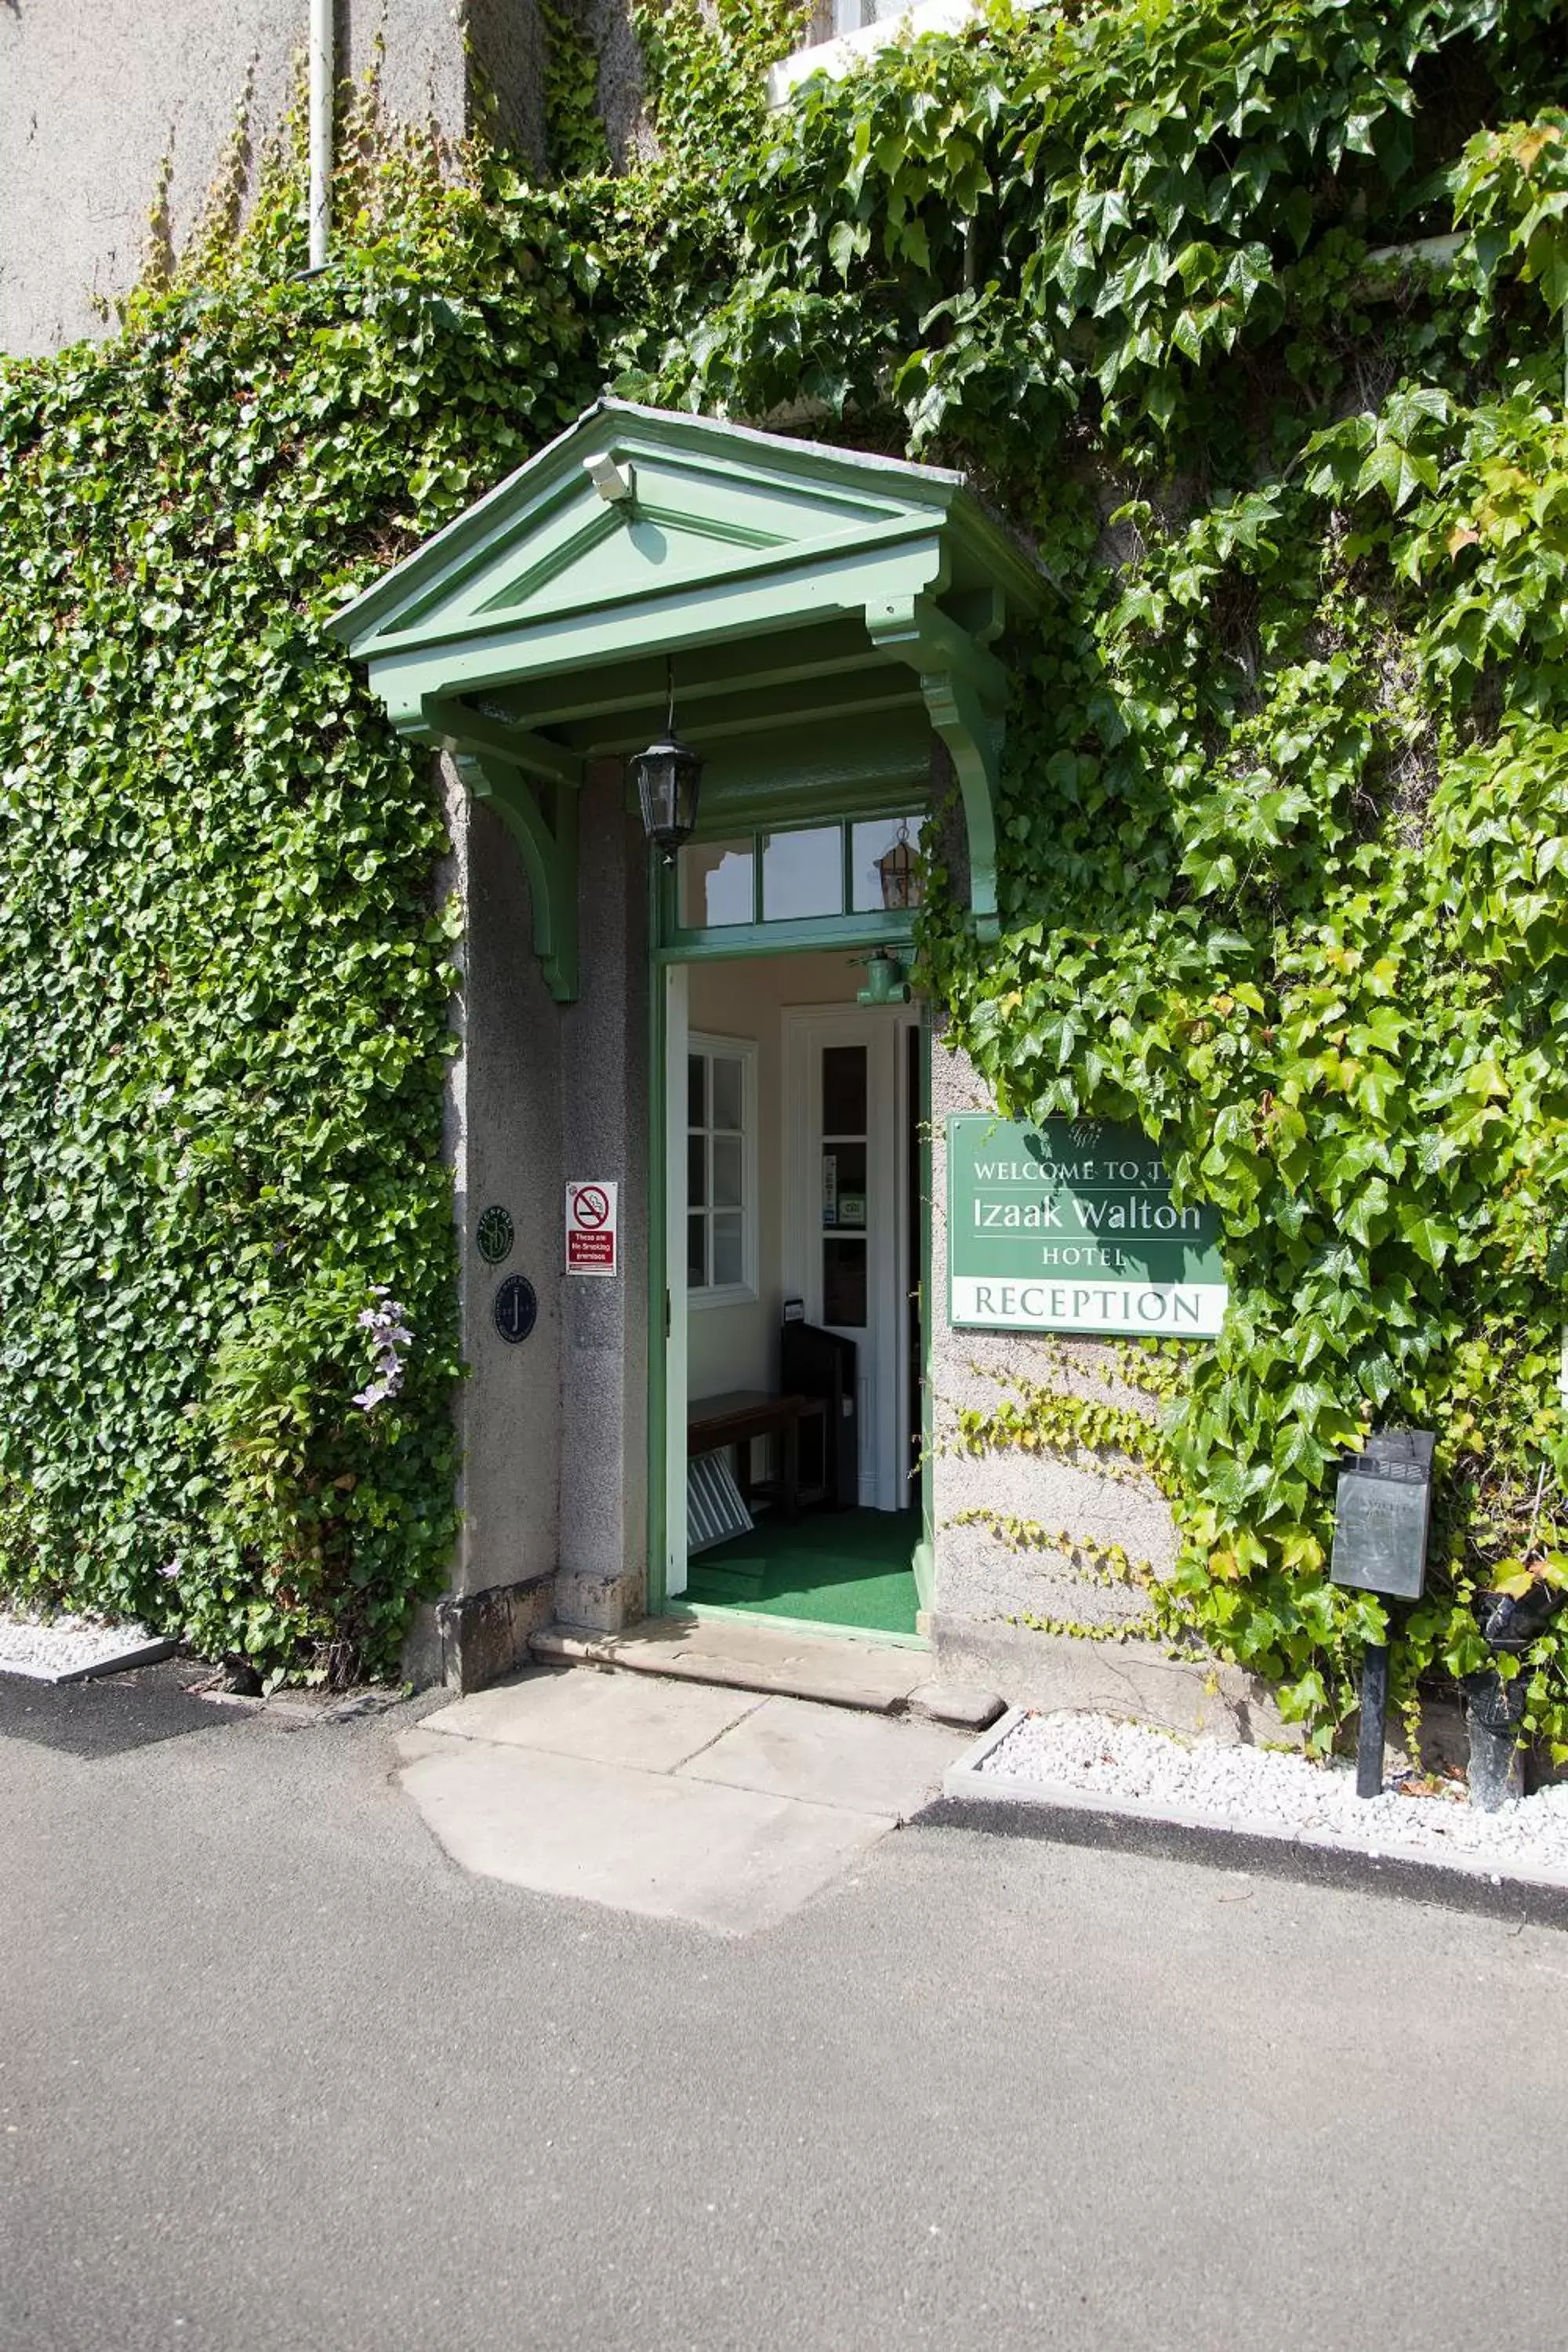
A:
x,y
1068,1227
593,1230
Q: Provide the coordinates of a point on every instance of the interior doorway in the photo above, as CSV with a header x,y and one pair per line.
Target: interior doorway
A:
x,y
794,1342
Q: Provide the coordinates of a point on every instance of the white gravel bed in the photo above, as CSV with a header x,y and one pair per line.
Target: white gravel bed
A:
x,y
1127,1767
64,1649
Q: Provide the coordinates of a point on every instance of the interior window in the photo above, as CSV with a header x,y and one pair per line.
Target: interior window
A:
x,y
720,1185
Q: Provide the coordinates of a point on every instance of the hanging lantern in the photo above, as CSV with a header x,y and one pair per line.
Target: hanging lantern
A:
x,y
900,874
669,779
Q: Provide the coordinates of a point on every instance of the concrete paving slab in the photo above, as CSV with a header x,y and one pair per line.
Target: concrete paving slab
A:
x,y
730,1860
632,1719
827,1756
837,1672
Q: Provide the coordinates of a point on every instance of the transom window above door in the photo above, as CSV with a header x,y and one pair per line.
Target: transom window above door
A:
x,y
721,1171
784,874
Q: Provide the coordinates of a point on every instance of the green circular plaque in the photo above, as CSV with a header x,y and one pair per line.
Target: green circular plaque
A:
x,y
495,1235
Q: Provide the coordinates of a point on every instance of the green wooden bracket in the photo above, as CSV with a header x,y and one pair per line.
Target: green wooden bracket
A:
x,y
973,740
964,689
542,818
459,727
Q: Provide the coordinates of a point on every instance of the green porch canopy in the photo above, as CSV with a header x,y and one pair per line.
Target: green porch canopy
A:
x,y
821,610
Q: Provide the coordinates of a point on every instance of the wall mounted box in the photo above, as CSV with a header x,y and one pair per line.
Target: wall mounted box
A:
x,y
1382,1513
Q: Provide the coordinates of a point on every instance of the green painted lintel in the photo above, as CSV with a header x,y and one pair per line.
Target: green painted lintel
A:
x,y
547,839
826,934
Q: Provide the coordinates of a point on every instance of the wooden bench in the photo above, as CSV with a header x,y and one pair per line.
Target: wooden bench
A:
x,y
741,1414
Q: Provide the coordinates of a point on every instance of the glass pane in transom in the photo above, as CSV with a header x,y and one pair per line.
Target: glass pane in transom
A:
x,y
884,866
803,874
716,885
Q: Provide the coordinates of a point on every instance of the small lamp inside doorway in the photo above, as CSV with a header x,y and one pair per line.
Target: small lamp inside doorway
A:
x,y
669,782
899,873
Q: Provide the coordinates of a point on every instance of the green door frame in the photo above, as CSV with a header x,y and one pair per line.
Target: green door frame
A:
x,y
834,934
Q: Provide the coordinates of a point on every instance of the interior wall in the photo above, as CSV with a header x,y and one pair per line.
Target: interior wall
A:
x,y
737,1346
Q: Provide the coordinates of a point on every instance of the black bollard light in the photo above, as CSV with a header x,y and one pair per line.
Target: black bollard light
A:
x,y
1383,1509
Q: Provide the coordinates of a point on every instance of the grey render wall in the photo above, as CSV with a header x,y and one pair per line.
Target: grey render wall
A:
x,y
603,1578
504,1144
553,1428
983,1589
94,93
977,1575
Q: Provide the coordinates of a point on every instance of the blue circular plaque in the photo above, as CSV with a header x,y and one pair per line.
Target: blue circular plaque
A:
x,y
516,1308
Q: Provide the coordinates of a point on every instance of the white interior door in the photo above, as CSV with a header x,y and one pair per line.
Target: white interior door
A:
x,y
846,1233
678,1026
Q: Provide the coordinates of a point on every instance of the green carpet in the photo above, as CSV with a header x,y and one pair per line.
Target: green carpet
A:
x,y
841,1567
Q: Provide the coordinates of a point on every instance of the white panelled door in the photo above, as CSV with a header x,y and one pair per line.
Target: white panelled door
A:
x,y
847,1229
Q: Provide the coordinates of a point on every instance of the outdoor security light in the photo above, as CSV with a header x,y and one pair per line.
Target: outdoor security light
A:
x,y
886,979
669,779
900,875
616,483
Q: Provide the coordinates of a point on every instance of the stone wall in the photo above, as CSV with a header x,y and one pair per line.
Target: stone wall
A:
x,y
984,1588
552,1428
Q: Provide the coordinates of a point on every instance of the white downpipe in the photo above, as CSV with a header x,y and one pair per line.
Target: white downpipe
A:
x,y
323,78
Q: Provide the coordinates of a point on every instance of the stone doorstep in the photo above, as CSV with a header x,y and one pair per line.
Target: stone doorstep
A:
x,y
877,1678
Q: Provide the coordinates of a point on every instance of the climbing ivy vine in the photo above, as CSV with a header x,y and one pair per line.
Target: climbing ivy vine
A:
x,y
1255,321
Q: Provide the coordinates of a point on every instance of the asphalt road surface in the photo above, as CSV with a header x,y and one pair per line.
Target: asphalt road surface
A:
x,y
273,2074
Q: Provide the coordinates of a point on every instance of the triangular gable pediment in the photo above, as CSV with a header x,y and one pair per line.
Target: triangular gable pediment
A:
x,y
711,503
790,583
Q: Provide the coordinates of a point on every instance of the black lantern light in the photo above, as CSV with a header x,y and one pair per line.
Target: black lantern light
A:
x,y
900,875
669,779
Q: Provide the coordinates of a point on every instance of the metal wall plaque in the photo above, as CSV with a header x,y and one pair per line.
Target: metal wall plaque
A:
x,y
495,1235
1382,1513
1068,1227
516,1308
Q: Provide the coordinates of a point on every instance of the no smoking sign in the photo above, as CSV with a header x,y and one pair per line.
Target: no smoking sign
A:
x,y
592,1227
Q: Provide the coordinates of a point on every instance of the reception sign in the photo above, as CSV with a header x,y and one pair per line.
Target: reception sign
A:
x,y
1068,1227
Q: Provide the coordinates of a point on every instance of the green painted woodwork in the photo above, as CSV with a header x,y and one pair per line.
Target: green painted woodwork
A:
x,y
547,837
822,611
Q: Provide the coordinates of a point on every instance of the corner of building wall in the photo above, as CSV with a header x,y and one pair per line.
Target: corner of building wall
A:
x,y
995,1607
503,1139
466,1640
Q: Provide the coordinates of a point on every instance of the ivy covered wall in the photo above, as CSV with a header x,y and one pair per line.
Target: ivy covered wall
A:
x,y
1287,785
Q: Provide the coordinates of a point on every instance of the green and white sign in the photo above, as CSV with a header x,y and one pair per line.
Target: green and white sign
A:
x,y
1068,1227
